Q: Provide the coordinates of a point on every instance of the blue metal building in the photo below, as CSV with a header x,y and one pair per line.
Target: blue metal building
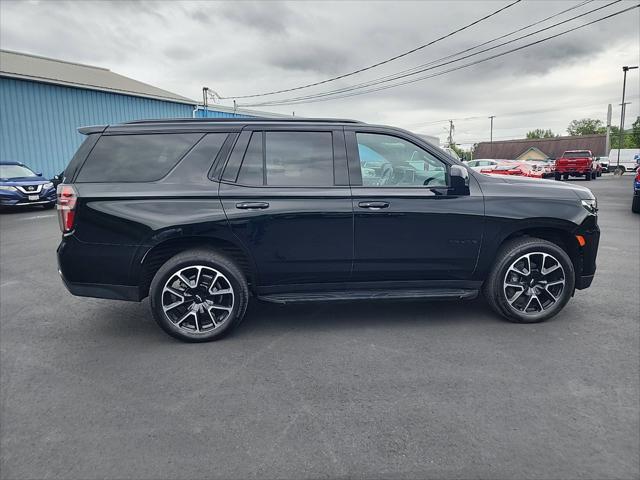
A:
x,y
43,101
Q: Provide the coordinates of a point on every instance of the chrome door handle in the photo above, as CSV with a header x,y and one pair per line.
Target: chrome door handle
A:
x,y
252,205
374,205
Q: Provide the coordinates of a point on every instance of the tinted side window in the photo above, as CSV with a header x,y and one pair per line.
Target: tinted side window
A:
x,y
388,161
135,158
299,158
251,171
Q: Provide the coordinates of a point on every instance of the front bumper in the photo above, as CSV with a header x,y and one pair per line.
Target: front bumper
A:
x,y
585,260
18,199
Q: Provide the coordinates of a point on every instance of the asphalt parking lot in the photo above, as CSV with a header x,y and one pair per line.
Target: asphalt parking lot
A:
x,y
94,389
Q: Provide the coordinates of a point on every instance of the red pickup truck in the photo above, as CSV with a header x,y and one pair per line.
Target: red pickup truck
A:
x,y
576,163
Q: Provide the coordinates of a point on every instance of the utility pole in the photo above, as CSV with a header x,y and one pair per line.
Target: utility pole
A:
x,y
625,69
205,99
451,133
607,146
491,134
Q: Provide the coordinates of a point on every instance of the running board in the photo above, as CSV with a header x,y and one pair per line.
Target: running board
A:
x,y
425,293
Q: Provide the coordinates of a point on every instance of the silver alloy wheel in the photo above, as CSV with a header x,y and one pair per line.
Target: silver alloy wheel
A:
x,y
198,299
534,283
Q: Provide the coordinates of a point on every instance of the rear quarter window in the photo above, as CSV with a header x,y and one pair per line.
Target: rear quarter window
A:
x,y
135,158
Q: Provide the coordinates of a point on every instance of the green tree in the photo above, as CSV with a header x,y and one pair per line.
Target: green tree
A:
x,y
635,133
586,126
629,139
540,133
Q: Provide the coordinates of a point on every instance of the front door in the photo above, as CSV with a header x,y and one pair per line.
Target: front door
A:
x,y
286,195
407,223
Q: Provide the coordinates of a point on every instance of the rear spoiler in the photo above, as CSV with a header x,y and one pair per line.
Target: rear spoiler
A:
x,y
92,129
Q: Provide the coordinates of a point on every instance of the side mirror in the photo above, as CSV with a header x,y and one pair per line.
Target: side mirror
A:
x,y
459,180
39,174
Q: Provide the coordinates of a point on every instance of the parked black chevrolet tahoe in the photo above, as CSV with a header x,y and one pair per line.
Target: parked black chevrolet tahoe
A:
x,y
199,215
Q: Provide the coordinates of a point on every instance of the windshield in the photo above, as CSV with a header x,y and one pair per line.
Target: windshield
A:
x,y
15,171
581,154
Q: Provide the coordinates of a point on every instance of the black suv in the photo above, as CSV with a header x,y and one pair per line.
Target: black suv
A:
x,y
200,214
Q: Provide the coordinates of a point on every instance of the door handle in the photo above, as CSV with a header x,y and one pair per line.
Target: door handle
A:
x,y
373,205
252,205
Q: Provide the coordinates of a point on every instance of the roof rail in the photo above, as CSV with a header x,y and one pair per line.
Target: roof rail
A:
x,y
243,120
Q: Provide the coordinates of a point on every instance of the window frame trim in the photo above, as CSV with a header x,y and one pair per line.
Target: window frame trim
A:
x,y
339,154
353,157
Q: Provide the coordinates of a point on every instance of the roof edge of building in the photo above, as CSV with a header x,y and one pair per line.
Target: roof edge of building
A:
x,y
85,86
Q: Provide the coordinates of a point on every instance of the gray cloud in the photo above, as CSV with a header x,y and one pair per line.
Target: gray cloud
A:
x,y
246,47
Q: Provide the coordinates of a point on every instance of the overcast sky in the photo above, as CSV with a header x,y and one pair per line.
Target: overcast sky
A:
x,y
245,47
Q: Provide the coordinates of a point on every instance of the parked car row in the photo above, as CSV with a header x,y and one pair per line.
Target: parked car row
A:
x,y
21,187
572,163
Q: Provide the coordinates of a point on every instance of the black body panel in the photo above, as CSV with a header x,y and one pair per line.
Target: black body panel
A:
x,y
310,239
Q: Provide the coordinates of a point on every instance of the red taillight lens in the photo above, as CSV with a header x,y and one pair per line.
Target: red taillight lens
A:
x,y
67,198
638,175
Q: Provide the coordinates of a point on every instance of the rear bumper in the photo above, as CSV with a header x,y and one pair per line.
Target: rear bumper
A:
x,y
98,290
96,270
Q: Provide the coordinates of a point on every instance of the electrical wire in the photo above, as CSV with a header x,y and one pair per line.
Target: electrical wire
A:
x,y
317,98
453,55
383,62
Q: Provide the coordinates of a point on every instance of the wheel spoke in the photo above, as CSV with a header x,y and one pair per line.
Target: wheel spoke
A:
x,y
212,316
174,292
222,292
173,305
515,297
185,280
186,315
221,307
546,271
198,276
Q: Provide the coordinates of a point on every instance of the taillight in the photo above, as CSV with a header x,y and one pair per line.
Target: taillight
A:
x,y
67,198
638,175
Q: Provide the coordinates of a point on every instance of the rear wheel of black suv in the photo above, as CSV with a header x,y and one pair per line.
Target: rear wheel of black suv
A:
x,y
532,280
198,296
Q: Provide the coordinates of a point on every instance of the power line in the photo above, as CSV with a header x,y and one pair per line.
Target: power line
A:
x,y
312,98
418,67
557,108
406,82
383,62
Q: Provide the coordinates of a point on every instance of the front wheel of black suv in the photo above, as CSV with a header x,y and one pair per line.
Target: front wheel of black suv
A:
x,y
198,296
531,281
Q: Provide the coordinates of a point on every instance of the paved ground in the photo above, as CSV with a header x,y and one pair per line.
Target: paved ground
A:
x,y
93,389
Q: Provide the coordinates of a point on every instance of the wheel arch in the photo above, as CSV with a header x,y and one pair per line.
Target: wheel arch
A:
x,y
153,258
560,233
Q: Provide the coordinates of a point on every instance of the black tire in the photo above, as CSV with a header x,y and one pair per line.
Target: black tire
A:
x,y
588,176
557,176
635,205
210,260
495,290
565,176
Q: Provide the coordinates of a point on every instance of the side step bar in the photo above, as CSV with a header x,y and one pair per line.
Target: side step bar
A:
x,y
332,296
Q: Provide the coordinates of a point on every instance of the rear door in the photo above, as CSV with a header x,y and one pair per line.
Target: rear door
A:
x,y
286,195
408,225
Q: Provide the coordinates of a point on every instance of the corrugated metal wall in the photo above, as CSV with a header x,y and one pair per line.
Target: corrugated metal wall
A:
x,y
200,113
39,121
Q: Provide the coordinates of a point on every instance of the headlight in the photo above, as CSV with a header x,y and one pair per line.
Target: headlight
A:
x,y
591,206
47,186
7,188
